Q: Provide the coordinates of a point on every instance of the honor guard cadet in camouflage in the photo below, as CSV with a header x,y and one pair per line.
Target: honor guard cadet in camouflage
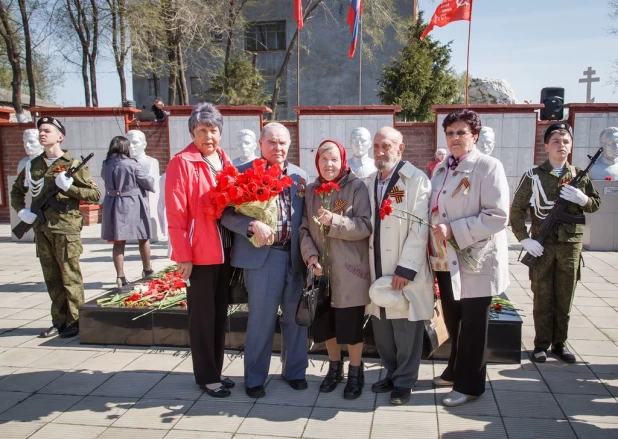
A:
x,y
58,241
557,271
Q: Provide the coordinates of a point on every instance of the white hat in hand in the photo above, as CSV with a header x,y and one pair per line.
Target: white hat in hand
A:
x,y
382,294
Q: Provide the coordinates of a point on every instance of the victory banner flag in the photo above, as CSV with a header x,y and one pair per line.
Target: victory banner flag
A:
x,y
354,13
298,13
448,11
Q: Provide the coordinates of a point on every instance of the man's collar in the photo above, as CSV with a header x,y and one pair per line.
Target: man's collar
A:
x,y
390,174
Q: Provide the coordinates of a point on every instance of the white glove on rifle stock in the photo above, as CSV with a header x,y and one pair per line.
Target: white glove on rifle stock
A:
x,y
532,246
27,216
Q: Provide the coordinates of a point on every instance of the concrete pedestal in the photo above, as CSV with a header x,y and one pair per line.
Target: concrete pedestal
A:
x,y
28,237
601,232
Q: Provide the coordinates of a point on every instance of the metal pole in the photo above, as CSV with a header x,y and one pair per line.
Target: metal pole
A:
x,y
360,62
468,57
298,69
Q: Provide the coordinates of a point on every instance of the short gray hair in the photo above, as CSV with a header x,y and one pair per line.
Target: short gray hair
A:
x,y
440,150
246,132
205,113
274,126
606,132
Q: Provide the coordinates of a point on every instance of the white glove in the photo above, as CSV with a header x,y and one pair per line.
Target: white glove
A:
x,y
64,182
532,246
574,195
27,216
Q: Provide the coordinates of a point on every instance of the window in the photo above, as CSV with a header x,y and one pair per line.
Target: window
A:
x,y
153,86
265,36
197,87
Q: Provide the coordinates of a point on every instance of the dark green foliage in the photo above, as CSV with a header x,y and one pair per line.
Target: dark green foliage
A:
x,y
420,78
243,86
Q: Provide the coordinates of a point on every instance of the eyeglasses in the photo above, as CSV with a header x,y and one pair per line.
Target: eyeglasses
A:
x,y
460,133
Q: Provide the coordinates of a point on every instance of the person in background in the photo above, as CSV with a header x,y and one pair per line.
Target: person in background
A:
x,y
126,213
439,157
201,246
468,251
337,246
554,277
159,112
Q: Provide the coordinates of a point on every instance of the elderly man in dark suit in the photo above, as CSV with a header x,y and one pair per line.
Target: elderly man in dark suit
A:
x,y
273,273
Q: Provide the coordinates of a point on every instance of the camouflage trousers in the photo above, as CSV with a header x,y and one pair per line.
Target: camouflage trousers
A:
x,y
59,257
554,279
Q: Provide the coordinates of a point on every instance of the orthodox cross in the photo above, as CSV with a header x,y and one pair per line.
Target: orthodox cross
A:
x,y
589,80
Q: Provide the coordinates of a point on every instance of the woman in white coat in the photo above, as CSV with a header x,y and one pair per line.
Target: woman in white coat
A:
x,y
469,211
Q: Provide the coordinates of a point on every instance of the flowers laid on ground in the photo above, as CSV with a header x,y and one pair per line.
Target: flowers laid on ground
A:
x,y
386,209
166,290
252,193
502,306
608,178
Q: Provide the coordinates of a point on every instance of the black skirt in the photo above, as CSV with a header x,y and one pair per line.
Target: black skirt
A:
x,y
344,324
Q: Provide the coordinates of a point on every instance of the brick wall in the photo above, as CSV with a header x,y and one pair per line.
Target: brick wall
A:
x,y
293,152
419,139
157,136
539,149
11,142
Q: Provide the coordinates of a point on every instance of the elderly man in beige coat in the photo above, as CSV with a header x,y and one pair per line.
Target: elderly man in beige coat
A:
x,y
402,289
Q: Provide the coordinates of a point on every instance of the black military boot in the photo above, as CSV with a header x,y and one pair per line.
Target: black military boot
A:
x,y
356,381
333,377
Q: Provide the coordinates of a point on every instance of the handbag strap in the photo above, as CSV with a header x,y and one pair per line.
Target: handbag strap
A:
x,y
310,276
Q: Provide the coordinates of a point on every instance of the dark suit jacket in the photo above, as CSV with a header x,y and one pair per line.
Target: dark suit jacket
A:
x,y
244,253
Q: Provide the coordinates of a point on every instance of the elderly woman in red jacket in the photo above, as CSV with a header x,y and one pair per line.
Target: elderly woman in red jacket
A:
x,y
201,246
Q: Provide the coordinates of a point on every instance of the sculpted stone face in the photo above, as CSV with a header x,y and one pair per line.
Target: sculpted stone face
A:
x,y
360,142
246,146
32,146
487,140
610,145
138,143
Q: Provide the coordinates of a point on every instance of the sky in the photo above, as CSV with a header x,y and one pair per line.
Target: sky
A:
x,y
531,44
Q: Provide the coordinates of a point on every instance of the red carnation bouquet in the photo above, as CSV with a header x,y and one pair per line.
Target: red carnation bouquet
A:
x,y
252,193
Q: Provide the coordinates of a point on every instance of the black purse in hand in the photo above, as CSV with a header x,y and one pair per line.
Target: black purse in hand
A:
x,y
308,302
238,291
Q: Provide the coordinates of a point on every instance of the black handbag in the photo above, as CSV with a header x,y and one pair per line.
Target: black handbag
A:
x,y
238,291
435,331
308,302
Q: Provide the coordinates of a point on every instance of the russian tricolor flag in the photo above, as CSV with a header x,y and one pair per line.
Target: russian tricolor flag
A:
x,y
356,9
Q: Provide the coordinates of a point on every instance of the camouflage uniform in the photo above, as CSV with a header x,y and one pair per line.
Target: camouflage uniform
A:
x,y
555,275
58,241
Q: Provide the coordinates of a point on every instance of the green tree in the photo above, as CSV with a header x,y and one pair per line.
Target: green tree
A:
x,y
421,77
243,84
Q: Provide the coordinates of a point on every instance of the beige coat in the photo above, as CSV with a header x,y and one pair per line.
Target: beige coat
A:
x,y
478,217
347,237
403,242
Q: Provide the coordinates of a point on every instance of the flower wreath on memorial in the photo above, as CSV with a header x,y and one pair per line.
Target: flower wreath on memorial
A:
x,y
252,193
326,191
387,209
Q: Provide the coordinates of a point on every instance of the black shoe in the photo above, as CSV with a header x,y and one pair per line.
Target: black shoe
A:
x,y
300,384
383,386
147,274
356,381
121,281
255,392
400,395
333,377
563,352
539,355
70,331
52,332
219,392
226,382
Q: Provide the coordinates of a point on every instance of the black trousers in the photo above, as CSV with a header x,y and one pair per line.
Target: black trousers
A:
x,y
467,321
207,300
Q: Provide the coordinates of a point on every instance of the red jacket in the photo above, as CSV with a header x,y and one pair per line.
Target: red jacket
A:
x,y
188,181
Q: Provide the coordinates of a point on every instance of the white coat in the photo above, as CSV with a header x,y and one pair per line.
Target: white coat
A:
x,y
478,217
403,242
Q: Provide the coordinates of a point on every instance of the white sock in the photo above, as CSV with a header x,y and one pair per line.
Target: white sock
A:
x,y
213,386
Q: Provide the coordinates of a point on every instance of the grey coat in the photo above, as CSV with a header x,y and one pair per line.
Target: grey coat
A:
x,y
348,239
125,207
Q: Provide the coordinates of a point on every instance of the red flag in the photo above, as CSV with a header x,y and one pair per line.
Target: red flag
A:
x,y
447,11
354,13
298,13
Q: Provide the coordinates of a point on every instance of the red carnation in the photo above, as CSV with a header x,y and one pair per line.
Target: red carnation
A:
x,y
608,178
386,209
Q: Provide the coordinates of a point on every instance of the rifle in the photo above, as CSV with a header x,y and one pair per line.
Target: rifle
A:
x,y
557,214
48,200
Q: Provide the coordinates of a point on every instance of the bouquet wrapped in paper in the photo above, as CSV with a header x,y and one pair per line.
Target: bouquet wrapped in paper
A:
x,y
252,193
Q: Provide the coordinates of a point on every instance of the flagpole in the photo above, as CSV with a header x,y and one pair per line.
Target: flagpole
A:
x,y
468,57
360,62
298,69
